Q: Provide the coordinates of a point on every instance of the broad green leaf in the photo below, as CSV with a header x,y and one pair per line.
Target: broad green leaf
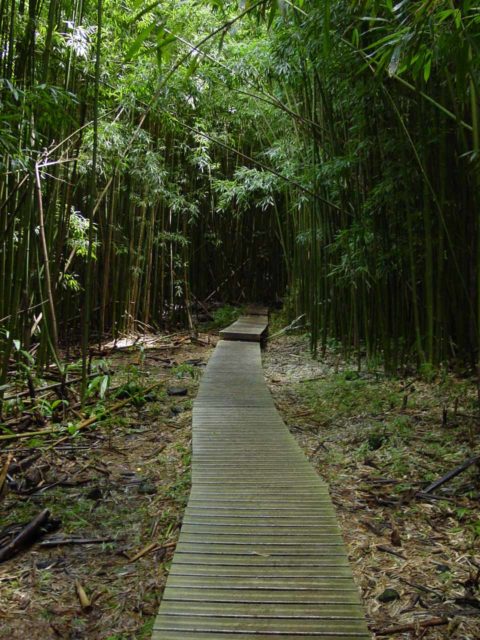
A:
x,y
272,14
35,443
139,40
104,387
443,15
355,37
5,429
164,47
72,429
146,10
427,69
192,67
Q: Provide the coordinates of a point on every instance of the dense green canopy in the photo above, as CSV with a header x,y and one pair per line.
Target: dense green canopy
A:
x,y
321,153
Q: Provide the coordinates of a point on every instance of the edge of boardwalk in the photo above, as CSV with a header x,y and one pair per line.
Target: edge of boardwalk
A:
x,y
260,554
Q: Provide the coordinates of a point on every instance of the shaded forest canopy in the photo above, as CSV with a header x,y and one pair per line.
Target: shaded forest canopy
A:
x,y
325,154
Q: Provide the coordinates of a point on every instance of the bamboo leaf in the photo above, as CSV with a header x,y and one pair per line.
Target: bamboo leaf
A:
x,y
104,387
144,11
164,47
139,40
427,68
272,14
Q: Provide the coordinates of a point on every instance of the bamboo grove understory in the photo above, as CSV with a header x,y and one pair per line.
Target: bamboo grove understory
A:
x,y
322,154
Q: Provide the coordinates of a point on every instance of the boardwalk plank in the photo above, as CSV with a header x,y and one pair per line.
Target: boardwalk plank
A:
x,y
192,569
262,596
242,624
166,634
231,560
280,611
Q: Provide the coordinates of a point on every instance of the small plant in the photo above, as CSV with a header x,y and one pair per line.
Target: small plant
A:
x,y
462,513
428,372
72,429
376,439
99,385
351,375
345,394
475,529
185,370
130,389
180,489
141,355
225,315
146,630
401,428
50,409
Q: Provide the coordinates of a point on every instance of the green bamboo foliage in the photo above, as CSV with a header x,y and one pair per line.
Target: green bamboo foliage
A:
x,y
109,205
392,93
157,155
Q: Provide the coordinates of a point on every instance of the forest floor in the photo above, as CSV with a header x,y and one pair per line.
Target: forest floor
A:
x,y
377,441
124,483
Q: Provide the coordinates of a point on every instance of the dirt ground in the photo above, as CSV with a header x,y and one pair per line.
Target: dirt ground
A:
x,y
125,482
378,442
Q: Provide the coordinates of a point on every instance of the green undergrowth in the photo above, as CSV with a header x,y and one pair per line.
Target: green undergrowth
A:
x,y
224,316
379,442
277,320
121,508
126,477
346,394
110,382
283,320
411,430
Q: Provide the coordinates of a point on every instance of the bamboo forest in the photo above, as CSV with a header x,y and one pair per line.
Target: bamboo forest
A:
x,y
239,288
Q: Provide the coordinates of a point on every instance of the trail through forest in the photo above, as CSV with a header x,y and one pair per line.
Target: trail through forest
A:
x,y
156,155
164,163
378,442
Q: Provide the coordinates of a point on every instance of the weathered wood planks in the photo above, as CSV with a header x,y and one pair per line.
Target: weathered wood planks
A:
x,y
249,328
260,554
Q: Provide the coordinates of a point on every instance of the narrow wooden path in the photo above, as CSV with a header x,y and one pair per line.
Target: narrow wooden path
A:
x,y
260,555
249,328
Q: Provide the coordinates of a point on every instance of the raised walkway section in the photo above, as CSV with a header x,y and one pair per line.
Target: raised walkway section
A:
x,y
251,328
260,555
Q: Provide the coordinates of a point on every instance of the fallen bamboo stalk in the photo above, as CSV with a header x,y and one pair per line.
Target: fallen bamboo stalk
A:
x,y
153,546
413,626
26,536
150,547
28,434
291,327
420,587
50,387
451,474
71,541
385,549
231,275
23,465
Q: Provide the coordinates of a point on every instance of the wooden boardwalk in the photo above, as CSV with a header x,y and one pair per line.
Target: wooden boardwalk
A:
x,y
260,555
247,329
